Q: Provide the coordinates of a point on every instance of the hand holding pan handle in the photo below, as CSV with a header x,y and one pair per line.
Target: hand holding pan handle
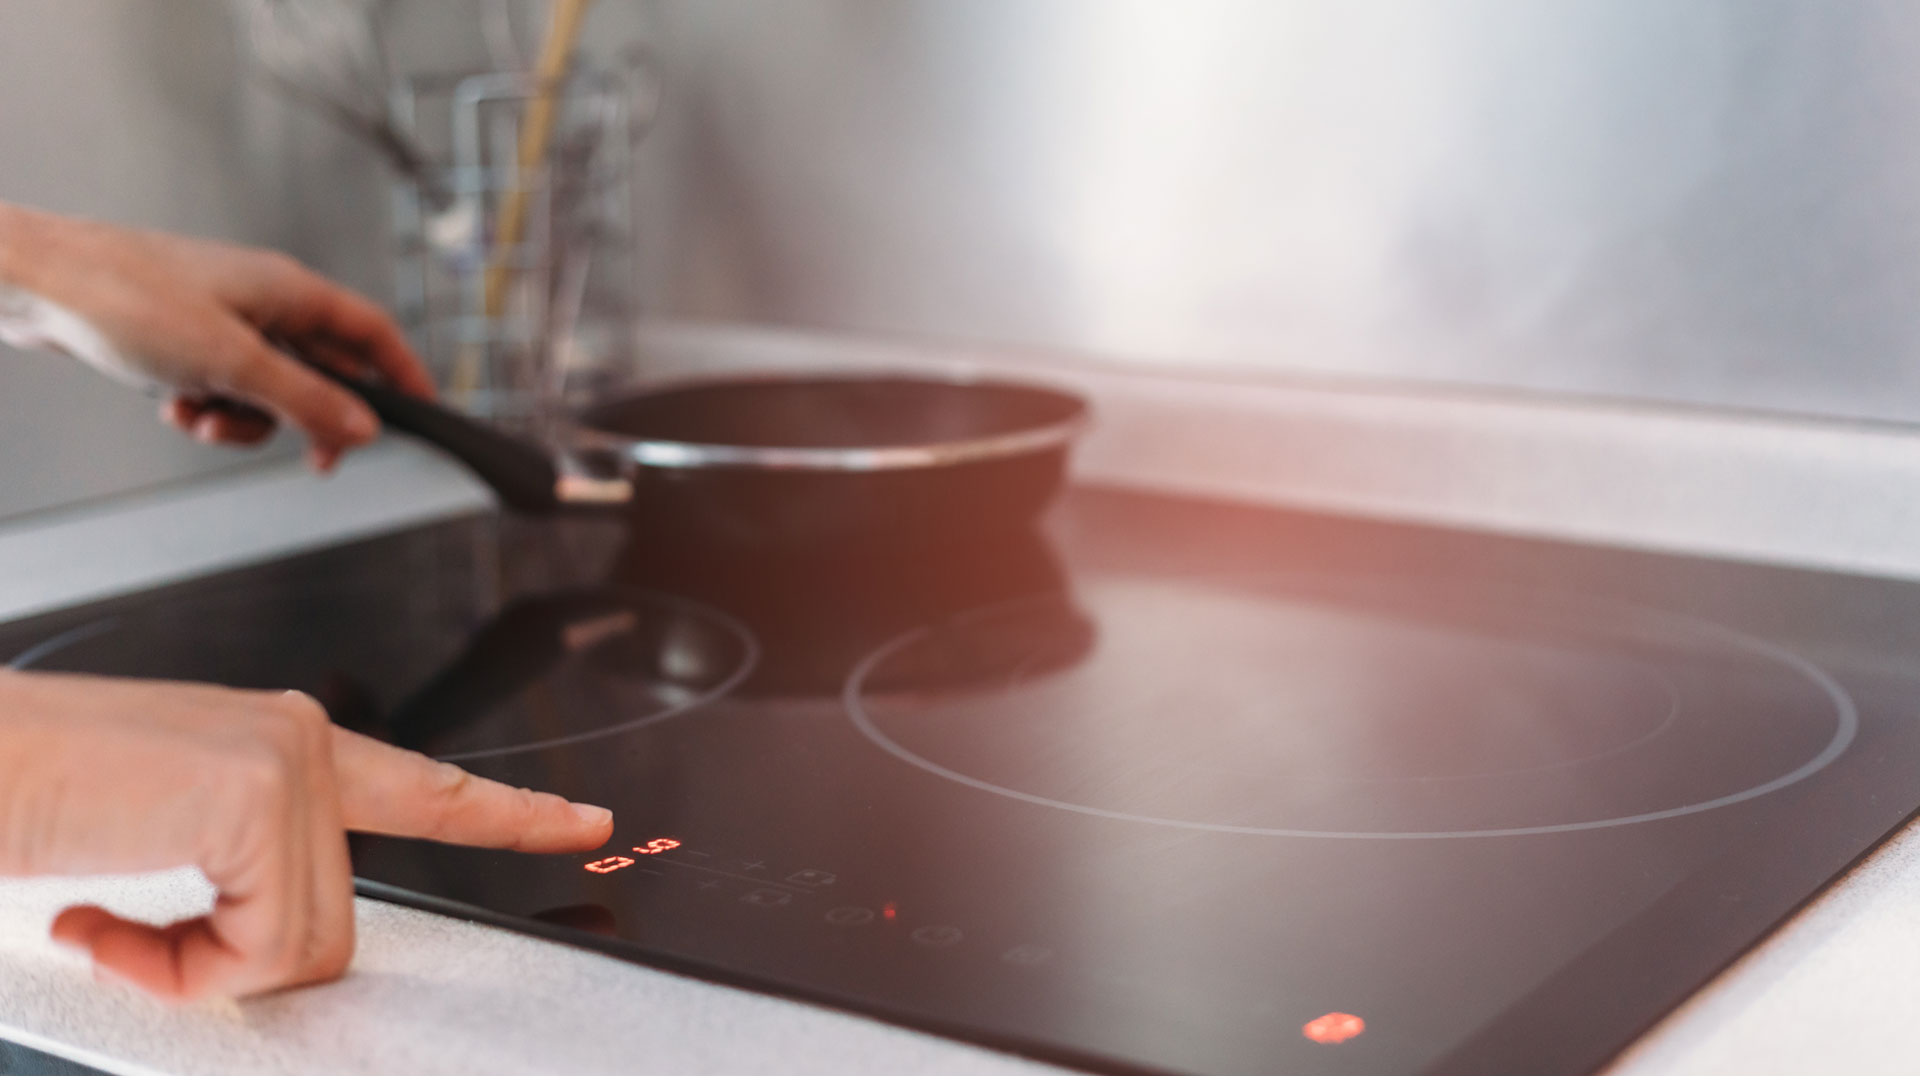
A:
x,y
523,475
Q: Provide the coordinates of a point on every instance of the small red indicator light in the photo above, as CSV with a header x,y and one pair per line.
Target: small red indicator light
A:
x,y
889,912
655,847
609,864
1333,1028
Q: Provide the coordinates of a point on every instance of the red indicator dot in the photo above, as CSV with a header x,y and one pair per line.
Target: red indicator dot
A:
x,y
609,864
1333,1028
889,912
655,847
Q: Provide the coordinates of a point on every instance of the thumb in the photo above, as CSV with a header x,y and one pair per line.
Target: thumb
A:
x,y
169,962
333,418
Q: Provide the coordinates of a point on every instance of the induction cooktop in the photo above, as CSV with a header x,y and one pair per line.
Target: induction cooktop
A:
x,y
1164,784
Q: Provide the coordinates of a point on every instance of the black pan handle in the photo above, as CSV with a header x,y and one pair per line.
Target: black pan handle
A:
x,y
523,475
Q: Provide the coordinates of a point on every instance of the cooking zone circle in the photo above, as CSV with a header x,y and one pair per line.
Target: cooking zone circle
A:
x,y
429,675
1353,710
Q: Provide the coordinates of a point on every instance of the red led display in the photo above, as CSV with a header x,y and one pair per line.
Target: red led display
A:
x,y
620,862
1333,1028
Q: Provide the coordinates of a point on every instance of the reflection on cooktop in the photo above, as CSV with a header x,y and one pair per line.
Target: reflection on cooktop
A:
x,y
1169,785
624,659
817,610
602,661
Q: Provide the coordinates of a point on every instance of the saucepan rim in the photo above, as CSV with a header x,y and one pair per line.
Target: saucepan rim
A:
x,y
663,453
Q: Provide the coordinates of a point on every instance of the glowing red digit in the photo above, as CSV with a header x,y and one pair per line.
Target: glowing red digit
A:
x,y
609,864
655,847
1333,1028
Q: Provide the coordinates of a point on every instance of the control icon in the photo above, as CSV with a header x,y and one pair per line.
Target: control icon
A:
x,y
1027,955
609,864
811,879
850,916
938,937
768,898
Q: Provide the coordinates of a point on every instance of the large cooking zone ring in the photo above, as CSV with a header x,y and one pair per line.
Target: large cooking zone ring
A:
x,y
1366,709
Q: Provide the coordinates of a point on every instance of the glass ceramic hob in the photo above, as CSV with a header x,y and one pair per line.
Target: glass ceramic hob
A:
x,y
1165,785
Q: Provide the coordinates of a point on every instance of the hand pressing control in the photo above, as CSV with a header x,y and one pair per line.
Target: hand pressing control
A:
x,y
256,789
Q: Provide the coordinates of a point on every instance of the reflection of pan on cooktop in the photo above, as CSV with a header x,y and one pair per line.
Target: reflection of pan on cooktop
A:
x,y
641,658
817,610
631,653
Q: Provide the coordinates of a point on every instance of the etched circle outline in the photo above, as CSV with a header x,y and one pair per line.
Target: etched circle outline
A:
x,y
1846,727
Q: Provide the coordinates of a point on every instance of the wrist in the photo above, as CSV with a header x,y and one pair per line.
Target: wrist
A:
x,y
12,225
17,727
30,317
19,229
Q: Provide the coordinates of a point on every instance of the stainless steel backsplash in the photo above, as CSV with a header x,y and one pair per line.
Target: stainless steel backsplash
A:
x,y
1715,201
1711,202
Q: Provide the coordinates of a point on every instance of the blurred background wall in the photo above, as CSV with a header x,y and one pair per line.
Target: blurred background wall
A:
x,y
136,112
132,112
1715,202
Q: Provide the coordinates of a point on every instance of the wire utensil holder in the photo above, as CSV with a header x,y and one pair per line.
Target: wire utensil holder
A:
x,y
566,316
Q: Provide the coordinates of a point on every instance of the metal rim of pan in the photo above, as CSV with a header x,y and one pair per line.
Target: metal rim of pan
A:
x,y
678,454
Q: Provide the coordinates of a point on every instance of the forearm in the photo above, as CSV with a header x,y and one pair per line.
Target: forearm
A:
x,y
33,313
43,756
12,221
19,743
16,303
29,317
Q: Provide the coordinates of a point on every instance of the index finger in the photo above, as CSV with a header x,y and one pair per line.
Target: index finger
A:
x,y
397,792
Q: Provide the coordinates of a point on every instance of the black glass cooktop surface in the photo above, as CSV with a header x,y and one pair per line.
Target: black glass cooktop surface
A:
x,y
1166,785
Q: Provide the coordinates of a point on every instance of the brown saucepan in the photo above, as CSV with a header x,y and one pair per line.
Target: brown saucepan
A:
x,y
780,460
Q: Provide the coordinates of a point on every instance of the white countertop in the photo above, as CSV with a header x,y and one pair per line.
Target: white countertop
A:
x,y
1832,991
